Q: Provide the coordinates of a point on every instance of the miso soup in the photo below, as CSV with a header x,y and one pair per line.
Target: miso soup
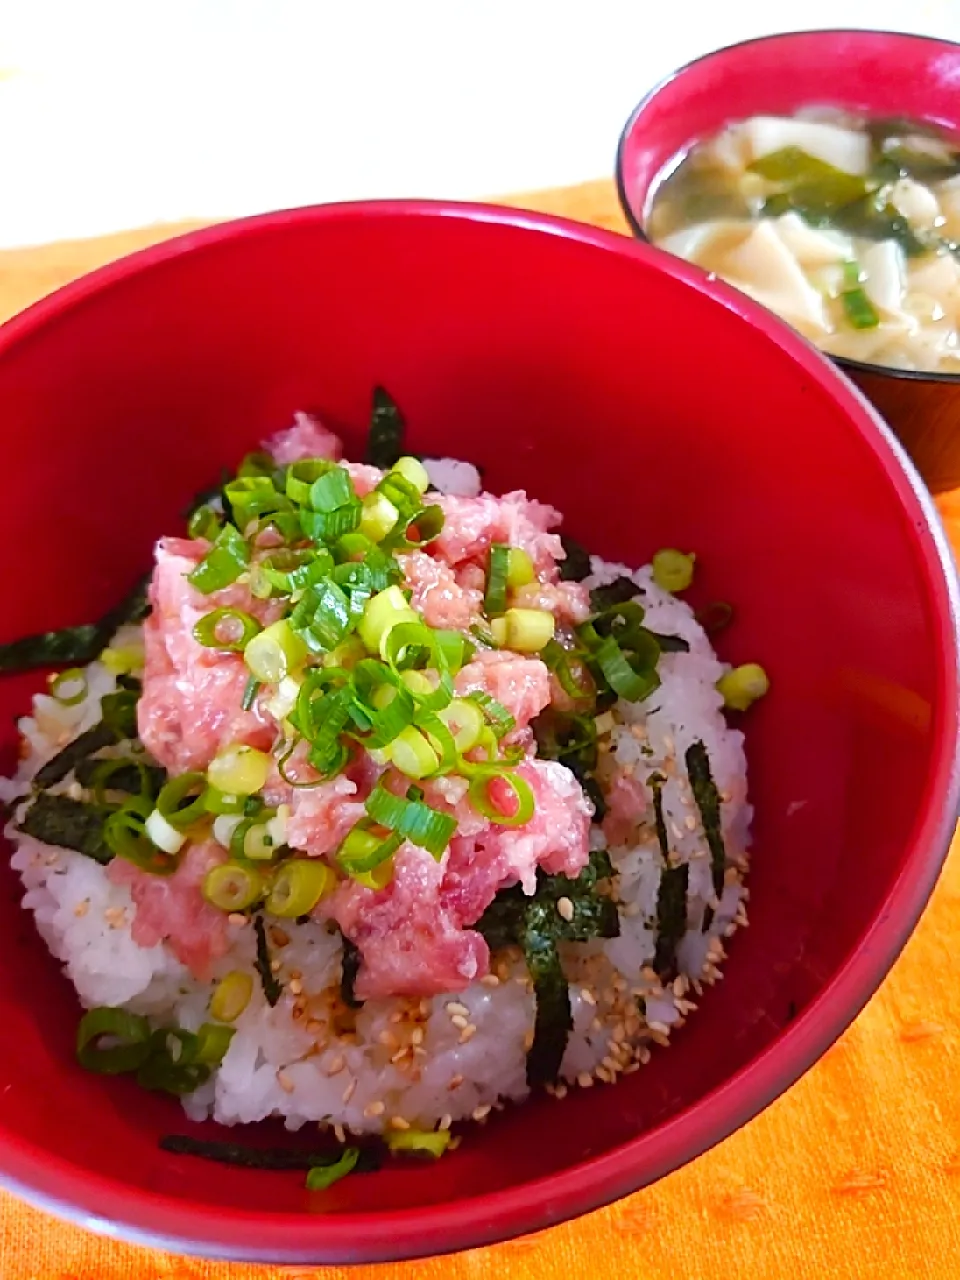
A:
x,y
847,227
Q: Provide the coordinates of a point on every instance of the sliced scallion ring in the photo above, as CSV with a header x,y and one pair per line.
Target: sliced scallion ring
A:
x,y
182,800
232,886
511,788
112,1041
69,687
297,886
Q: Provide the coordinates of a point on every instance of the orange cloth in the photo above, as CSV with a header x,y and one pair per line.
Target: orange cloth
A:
x,y
853,1175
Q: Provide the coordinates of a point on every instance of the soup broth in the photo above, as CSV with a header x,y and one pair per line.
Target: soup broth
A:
x,y
847,227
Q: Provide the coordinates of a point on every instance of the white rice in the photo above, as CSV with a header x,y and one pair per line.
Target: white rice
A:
x,y
410,1062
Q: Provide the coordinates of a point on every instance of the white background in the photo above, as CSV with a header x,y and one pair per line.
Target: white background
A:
x,y
118,113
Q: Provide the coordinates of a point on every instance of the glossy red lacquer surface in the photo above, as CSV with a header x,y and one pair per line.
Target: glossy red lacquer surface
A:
x,y
655,408
878,73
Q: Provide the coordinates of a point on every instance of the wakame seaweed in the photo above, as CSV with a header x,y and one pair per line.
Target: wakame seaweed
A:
x,y
707,799
274,1159
117,724
349,968
537,927
268,979
68,824
576,566
386,432
672,894
74,646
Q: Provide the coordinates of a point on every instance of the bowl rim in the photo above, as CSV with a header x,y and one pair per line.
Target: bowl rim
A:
x,y
112,1208
626,133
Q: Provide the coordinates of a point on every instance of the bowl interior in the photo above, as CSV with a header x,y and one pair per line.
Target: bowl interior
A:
x,y
874,72
562,362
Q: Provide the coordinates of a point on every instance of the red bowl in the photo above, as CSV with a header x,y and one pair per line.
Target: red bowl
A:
x,y
559,358
875,73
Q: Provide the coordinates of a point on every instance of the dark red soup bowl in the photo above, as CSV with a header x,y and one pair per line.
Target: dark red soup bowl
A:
x,y
560,359
874,73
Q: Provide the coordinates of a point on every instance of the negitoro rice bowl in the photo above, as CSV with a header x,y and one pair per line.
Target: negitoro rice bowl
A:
x,y
383,805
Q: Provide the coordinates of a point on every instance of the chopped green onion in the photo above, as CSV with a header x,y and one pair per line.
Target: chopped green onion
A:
x,y
409,645
297,886
860,311
329,526
227,629
483,778
465,720
232,886
212,1043
520,570
275,652
253,497
322,1176
571,671
123,659
124,834
253,840
205,522
377,517
399,491
413,755
231,996
672,570
302,475
742,686
362,851
69,687
376,879
250,690
495,713
425,526
239,770
223,563
112,1041
221,802
322,617
524,630
332,490
425,1142
413,471
620,675
106,775
382,612
495,600
454,649
412,819
257,464
159,831
182,800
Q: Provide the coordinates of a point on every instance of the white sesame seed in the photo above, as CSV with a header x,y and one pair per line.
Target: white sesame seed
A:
x,y
350,1090
455,1007
584,1079
339,1133
82,908
446,1120
373,1109
481,1113
490,980
565,909
467,1033
454,1083
285,1083
236,918
398,1122
335,1065
296,986
460,1021
587,995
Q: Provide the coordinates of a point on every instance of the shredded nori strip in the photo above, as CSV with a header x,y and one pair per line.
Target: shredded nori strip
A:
x,y
68,824
619,591
74,646
349,968
386,432
672,894
127,778
576,566
671,644
707,798
536,926
119,723
268,979
274,1159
